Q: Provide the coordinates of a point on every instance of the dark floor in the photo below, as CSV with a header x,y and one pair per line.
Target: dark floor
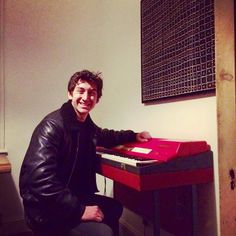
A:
x,y
22,234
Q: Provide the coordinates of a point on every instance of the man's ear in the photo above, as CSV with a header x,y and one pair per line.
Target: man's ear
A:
x,y
69,95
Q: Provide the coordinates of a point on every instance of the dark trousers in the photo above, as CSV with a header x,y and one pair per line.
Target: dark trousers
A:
x,y
112,211
111,208
83,229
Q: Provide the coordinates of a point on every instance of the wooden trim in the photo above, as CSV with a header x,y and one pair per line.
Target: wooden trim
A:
x,y
2,90
226,100
5,166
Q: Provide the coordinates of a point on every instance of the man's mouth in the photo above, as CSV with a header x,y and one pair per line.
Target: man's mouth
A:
x,y
84,106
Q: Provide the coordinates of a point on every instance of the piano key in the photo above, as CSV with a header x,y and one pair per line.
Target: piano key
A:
x,y
127,160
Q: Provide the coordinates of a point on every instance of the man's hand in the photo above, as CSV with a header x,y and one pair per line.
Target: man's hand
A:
x,y
143,136
93,213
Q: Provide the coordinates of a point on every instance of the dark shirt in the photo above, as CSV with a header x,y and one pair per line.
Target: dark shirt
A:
x,y
81,181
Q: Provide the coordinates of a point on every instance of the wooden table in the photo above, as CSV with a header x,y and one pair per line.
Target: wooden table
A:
x,y
5,166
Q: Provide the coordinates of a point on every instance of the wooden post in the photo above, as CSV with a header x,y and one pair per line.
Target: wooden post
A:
x,y
2,93
226,113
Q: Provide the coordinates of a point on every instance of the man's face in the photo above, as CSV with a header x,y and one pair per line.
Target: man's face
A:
x,y
83,98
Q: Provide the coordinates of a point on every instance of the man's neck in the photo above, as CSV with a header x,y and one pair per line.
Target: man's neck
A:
x,y
81,117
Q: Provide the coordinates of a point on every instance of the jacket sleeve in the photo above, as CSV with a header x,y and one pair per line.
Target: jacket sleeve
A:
x,y
39,180
109,138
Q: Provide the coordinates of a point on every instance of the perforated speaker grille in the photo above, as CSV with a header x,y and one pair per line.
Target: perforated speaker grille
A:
x,y
177,48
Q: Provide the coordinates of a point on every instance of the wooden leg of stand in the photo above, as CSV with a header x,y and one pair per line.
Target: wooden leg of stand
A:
x,y
195,210
156,220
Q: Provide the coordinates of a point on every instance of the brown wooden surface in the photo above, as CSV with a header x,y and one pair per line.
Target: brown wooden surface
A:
x,y
5,166
225,77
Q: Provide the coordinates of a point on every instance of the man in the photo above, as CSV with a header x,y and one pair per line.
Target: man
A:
x,y
58,176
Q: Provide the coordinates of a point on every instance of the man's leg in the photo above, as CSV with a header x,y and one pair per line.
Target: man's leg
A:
x,y
91,229
52,233
111,208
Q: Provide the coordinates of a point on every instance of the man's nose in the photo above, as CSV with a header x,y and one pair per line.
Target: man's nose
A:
x,y
85,96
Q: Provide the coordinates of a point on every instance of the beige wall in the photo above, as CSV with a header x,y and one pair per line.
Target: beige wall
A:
x,y
46,41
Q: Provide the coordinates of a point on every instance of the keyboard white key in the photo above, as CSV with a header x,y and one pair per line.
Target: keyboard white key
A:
x,y
127,160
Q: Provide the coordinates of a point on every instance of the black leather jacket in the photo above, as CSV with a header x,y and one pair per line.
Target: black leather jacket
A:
x,y
48,177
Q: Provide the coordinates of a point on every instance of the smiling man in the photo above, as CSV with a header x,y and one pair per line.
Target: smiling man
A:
x,y
58,177
84,95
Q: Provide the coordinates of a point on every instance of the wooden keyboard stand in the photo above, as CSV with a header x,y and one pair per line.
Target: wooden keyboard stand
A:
x,y
186,171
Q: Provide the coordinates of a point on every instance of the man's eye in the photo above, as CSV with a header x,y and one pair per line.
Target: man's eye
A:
x,y
93,93
80,91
